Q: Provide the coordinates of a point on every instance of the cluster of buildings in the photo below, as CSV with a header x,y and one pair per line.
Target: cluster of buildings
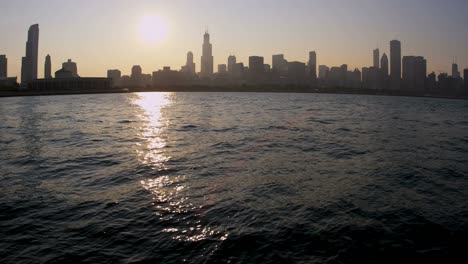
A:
x,y
392,73
387,73
66,79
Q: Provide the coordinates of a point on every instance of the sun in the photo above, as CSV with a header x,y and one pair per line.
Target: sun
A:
x,y
152,29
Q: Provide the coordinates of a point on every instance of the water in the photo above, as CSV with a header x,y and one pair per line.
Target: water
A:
x,y
230,178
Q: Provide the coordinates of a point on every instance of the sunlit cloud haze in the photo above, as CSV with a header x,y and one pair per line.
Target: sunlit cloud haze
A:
x,y
108,34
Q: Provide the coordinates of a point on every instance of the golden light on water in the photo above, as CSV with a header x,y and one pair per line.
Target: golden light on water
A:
x,y
152,129
170,194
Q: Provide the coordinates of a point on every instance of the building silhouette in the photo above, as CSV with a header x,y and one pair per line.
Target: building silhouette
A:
x,y
64,74
279,65
222,68
190,67
47,68
373,78
365,77
376,58
29,62
136,76
256,67
71,66
231,63
323,72
356,78
3,66
115,76
395,64
207,59
431,83
238,71
384,65
296,71
313,64
414,73
455,72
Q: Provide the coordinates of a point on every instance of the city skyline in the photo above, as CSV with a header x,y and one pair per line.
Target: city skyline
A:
x,y
295,43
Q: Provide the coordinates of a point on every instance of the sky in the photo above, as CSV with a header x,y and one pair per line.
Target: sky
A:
x,y
113,34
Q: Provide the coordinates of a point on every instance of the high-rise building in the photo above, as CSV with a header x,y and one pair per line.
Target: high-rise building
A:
x,y
323,72
47,68
222,68
207,60
256,67
313,64
455,72
296,70
3,66
71,67
279,64
414,73
116,77
136,75
431,83
384,65
395,64
357,75
231,63
238,70
365,77
190,66
376,58
29,62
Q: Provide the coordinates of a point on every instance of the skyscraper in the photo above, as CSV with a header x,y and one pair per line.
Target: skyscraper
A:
x,y
414,73
395,64
190,66
256,67
3,66
376,58
455,72
384,65
136,76
47,68
323,72
231,63
207,60
279,65
296,70
313,64
29,62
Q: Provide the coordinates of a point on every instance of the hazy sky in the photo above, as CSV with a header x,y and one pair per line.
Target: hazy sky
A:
x,y
106,34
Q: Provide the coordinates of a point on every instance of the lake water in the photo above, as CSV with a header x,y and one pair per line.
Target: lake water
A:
x,y
232,178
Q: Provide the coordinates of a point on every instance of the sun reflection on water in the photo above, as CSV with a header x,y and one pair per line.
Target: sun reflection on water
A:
x,y
169,192
152,104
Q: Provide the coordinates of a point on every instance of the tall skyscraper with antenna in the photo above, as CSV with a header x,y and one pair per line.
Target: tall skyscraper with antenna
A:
x,y
207,60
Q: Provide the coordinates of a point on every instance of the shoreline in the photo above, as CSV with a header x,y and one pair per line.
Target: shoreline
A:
x,y
247,89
